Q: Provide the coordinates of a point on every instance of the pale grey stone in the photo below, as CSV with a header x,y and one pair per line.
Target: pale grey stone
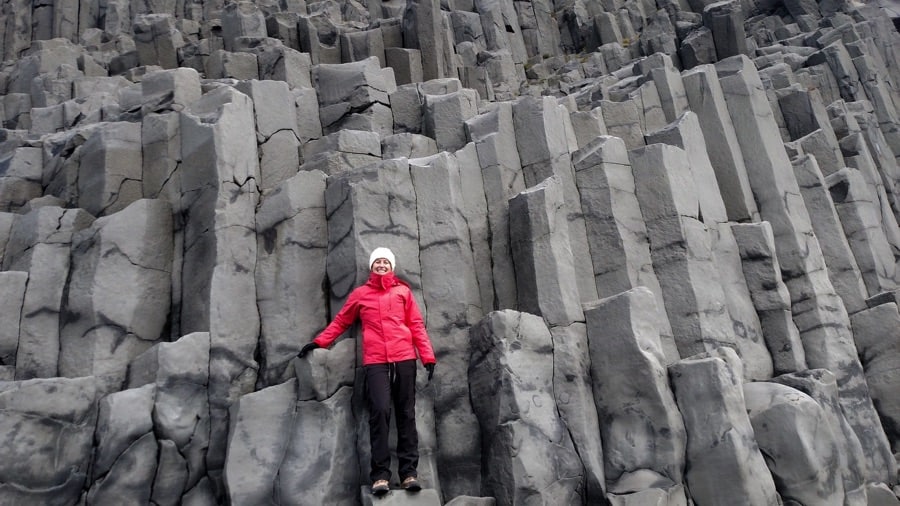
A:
x,y
422,21
276,130
224,64
842,266
39,243
858,210
877,336
307,109
821,385
220,171
475,212
109,173
685,133
157,40
20,177
123,418
321,453
291,249
623,120
494,135
12,297
131,477
407,64
725,460
119,290
642,429
771,299
673,97
61,410
407,145
258,436
544,142
171,475
181,411
510,377
286,64
445,116
573,391
726,22
170,90
362,44
617,234
800,446
588,125
681,250
241,19
545,266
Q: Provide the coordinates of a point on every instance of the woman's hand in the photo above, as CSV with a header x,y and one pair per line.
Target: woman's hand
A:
x,y
306,349
430,369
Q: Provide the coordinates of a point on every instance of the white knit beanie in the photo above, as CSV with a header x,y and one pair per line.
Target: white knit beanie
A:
x,y
382,253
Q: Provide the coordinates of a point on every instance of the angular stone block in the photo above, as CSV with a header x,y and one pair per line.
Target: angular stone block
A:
x,y
726,22
877,336
12,296
642,428
131,477
407,64
793,432
771,299
109,174
170,90
61,410
21,172
617,234
156,39
119,291
422,21
220,173
495,142
842,267
725,461
528,452
123,418
408,145
545,265
39,243
445,116
292,240
242,19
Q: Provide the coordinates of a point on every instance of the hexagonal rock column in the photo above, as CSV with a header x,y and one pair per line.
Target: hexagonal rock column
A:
x,y
877,335
723,460
220,172
277,133
61,410
770,296
119,292
642,431
527,451
292,243
354,95
451,293
617,235
109,173
545,140
12,295
39,243
680,249
494,136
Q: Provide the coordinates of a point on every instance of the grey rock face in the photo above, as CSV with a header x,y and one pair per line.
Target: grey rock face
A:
x,y
188,191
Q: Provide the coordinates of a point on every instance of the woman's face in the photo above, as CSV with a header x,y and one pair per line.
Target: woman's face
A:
x,y
381,266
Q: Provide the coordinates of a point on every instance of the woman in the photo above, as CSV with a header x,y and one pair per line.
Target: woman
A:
x,y
393,333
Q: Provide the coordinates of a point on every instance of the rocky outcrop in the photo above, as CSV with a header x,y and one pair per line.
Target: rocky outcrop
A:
x,y
655,245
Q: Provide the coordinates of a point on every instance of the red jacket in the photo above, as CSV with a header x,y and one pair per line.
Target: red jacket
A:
x,y
392,326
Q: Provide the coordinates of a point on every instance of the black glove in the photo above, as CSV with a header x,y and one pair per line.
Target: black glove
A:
x,y
430,369
306,349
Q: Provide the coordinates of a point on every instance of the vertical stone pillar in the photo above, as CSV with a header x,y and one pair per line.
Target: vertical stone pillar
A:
x,y
39,243
771,299
495,142
707,101
277,133
642,429
617,234
292,243
680,249
220,173
422,22
819,313
109,174
450,290
12,295
725,461
542,128
842,267
545,270
527,451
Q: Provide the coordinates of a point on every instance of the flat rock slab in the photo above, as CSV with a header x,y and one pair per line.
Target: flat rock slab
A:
x,y
425,497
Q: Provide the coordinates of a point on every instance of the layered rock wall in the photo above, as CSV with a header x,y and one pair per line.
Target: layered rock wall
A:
x,y
655,244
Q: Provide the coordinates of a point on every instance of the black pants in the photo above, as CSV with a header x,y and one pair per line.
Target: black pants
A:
x,y
386,383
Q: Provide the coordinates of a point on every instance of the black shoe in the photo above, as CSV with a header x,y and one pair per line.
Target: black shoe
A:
x,y
380,487
411,484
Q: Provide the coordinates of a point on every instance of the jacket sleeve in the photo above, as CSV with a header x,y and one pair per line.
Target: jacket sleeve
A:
x,y
342,321
417,326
